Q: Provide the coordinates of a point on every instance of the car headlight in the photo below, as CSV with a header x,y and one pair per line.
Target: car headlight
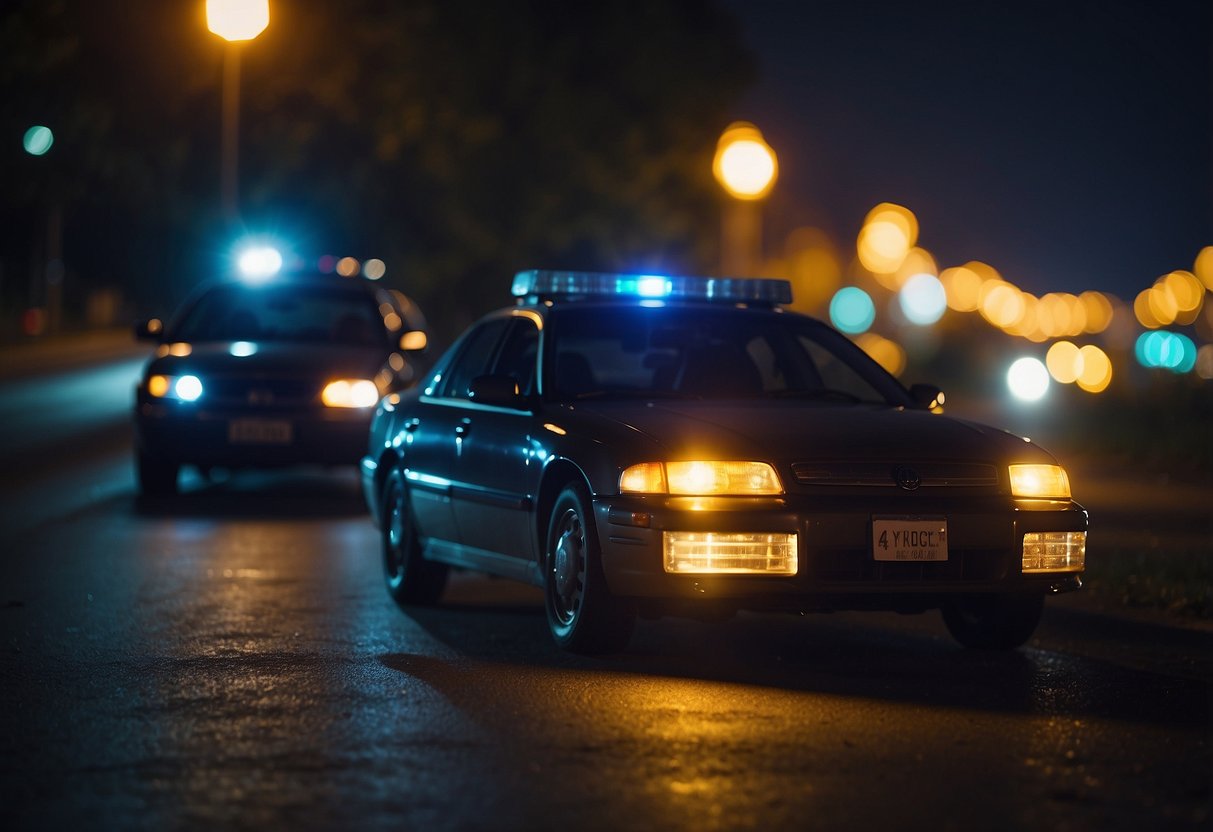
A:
x,y
187,388
1040,481
701,478
350,392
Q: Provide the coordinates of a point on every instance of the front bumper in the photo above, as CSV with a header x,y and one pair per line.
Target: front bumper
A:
x,y
836,568
169,432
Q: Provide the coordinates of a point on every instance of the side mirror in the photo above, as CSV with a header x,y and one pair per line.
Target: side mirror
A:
x,y
927,397
495,390
149,330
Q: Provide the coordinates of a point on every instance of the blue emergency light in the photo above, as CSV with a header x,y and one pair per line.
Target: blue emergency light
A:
x,y
538,285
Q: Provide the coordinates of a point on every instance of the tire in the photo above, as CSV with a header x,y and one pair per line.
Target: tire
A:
x,y
993,622
583,616
156,477
411,579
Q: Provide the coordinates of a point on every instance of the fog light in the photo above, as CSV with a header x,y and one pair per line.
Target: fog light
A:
x,y
1054,551
743,553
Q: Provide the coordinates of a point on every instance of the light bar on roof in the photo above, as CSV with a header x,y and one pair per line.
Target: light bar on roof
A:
x,y
542,284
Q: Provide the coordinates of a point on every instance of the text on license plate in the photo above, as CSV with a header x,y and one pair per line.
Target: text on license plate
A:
x,y
909,538
259,432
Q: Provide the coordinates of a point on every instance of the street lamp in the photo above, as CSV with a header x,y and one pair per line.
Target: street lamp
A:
x,y
235,21
747,168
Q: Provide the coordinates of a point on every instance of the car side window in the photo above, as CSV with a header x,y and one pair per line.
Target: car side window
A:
x,y
837,375
475,357
518,354
766,361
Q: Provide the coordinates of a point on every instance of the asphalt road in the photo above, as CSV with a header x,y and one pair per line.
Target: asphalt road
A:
x,y
232,660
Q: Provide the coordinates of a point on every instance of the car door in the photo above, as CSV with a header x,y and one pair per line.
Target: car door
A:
x,y
499,458
433,432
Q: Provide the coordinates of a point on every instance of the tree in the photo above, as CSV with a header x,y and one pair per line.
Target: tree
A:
x,y
457,141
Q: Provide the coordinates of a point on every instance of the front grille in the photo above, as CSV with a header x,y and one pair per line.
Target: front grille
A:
x,y
253,392
884,475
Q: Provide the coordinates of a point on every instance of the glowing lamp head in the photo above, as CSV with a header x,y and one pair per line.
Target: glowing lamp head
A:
x,y
350,393
1028,379
1039,481
188,388
745,164
259,263
235,20
701,478
652,286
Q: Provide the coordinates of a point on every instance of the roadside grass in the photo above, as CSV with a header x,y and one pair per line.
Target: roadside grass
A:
x,y
1165,433
1179,581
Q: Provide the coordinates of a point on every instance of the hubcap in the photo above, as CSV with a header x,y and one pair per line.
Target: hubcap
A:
x,y
395,537
567,563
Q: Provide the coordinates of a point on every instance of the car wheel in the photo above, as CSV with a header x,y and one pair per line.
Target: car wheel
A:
x,y
583,615
157,478
993,622
410,578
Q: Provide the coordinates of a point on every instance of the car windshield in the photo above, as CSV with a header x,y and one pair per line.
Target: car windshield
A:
x,y
708,353
281,313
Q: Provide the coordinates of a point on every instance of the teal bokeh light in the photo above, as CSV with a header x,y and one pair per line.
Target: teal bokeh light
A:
x,y
38,140
852,310
1166,350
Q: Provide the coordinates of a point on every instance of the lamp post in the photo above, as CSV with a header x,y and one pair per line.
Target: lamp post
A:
x,y
235,21
48,282
747,168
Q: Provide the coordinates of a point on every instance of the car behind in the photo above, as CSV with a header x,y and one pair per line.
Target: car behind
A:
x,y
281,373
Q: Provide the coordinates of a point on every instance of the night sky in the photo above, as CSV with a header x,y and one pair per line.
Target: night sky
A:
x,y
1067,144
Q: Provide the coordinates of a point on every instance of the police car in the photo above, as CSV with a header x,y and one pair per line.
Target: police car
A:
x,y
653,445
284,370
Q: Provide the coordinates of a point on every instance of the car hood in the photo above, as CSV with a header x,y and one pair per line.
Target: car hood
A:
x,y
788,430
267,358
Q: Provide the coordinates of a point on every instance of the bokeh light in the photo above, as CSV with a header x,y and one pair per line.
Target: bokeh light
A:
x,y
374,269
1001,303
1203,267
886,353
1028,379
38,140
1096,372
963,287
1098,310
348,267
814,267
886,248
923,299
237,20
259,262
1166,350
1028,323
1064,362
852,310
916,261
1059,314
1204,361
745,164
889,232
1188,293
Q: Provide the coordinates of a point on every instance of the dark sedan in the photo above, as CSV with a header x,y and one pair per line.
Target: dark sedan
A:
x,y
282,372
646,445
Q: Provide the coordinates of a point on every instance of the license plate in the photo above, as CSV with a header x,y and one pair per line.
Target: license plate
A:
x,y
910,538
259,432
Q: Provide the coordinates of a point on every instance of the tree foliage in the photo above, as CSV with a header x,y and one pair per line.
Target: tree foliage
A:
x,y
458,141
